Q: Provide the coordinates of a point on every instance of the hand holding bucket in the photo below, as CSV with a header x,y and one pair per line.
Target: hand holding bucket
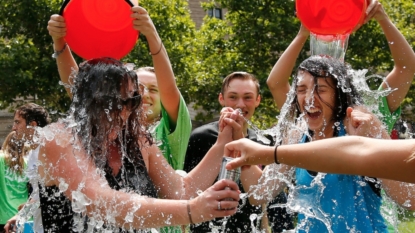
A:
x,y
99,28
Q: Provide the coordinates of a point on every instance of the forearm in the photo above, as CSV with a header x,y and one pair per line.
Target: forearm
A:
x,y
66,63
353,155
278,78
169,93
205,173
401,51
138,212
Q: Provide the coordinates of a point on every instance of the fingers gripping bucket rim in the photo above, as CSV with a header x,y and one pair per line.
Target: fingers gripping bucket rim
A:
x,y
99,28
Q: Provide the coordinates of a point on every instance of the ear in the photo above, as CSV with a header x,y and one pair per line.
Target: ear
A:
x,y
221,100
257,101
33,123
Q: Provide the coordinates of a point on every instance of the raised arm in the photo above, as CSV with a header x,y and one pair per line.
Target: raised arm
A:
x,y
404,57
169,93
278,78
64,59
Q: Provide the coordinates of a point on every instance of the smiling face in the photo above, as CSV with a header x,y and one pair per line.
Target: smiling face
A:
x,y
317,102
151,96
242,94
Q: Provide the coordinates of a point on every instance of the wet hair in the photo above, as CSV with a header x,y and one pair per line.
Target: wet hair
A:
x,y
33,112
239,75
321,66
99,91
14,151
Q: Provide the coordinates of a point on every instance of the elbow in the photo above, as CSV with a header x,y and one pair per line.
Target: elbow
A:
x,y
270,83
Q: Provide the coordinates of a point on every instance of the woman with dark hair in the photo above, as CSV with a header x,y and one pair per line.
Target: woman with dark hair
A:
x,y
13,181
101,170
357,121
324,104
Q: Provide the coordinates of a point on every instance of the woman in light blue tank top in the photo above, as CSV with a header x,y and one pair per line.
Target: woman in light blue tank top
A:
x,y
341,203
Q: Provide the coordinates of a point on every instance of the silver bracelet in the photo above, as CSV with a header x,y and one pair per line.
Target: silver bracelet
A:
x,y
57,53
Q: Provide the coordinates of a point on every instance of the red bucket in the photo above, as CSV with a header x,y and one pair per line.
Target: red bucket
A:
x,y
99,28
331,17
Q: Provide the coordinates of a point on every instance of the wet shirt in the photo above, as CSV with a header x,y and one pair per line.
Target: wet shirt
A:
x,y
56,208
343,203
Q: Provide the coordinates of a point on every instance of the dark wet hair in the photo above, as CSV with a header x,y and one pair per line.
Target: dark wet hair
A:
x,y
321,66
99,91
33,112
239,75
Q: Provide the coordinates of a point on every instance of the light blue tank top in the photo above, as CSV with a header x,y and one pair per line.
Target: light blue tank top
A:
x,y
346,203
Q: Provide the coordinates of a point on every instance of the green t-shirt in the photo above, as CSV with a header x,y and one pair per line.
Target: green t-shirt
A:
x,y
387,117
13,190
173,141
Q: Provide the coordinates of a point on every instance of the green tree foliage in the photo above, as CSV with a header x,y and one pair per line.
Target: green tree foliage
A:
x,y
26,67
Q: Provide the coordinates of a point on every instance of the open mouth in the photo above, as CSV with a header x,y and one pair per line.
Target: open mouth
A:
x,y
313,113
242,112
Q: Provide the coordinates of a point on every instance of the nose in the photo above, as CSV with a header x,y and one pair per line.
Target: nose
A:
x,y
309,98
14,127
240,103
145,93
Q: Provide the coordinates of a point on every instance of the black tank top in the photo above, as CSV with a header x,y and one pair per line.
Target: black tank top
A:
x,y
56,208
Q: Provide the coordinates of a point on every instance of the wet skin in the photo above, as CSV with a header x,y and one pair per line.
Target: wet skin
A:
x,y
314,101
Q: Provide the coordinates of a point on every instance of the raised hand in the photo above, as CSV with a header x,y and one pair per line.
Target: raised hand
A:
x,y
360,122
57,27
232,117
142,21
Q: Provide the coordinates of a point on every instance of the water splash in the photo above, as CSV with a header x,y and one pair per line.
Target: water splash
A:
x,y
259,133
